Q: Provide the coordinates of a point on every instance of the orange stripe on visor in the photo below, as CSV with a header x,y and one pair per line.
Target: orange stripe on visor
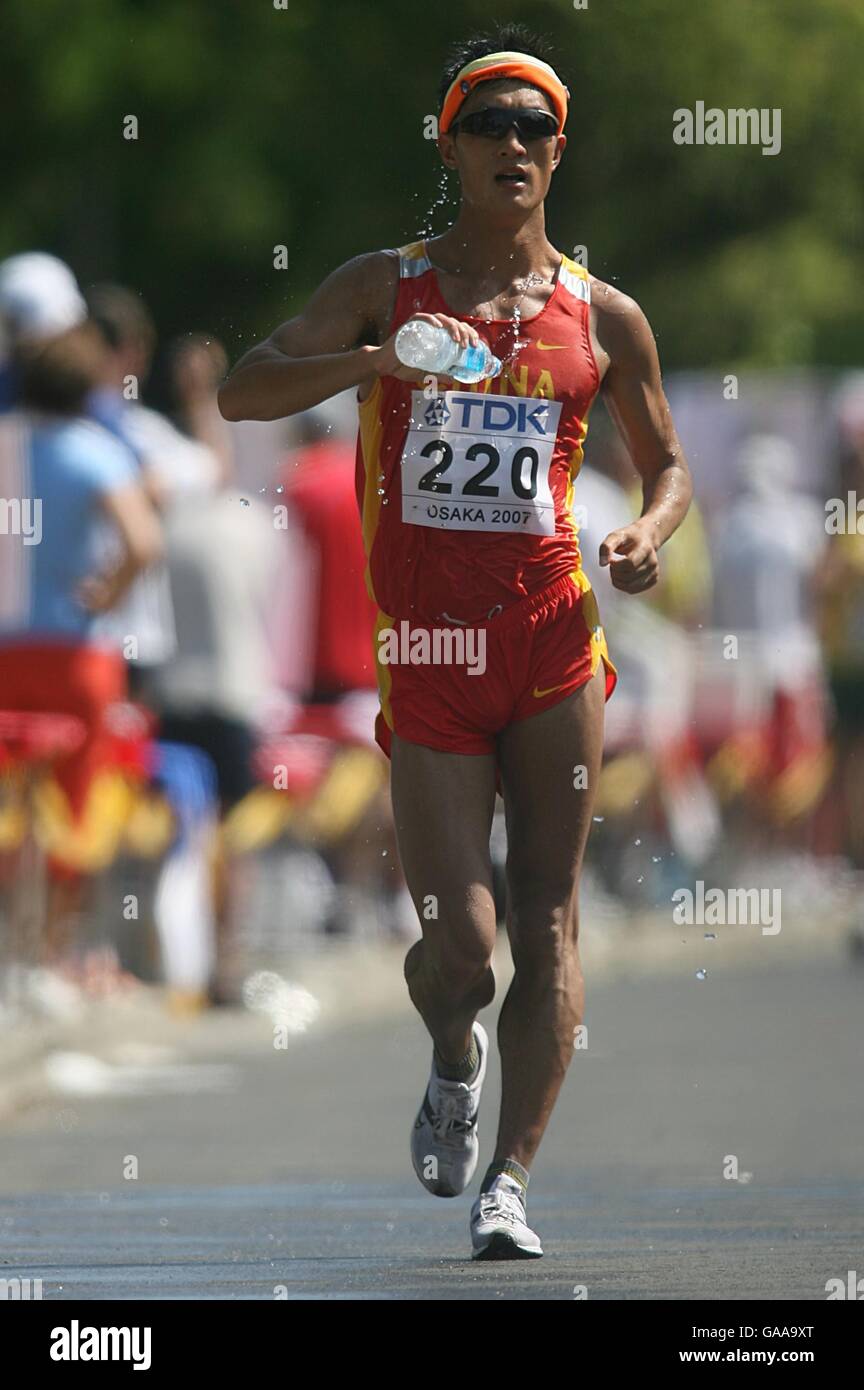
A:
x,y
498,65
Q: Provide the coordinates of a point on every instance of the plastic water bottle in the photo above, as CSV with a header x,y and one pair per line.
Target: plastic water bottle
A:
x,y
428,347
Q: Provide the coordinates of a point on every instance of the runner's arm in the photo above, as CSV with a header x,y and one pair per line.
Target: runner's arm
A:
x,y
634,396
319,352
326,348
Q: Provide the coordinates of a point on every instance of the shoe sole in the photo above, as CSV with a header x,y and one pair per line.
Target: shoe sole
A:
x,y
504,1247
446,1192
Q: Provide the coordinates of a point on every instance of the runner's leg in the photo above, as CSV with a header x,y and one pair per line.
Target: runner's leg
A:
x,y
442,809
548,820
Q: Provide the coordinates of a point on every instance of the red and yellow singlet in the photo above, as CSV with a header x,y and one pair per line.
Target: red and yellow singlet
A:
x,y
466,494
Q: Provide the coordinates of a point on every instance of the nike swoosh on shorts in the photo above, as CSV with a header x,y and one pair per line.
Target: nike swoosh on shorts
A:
x,y
538,694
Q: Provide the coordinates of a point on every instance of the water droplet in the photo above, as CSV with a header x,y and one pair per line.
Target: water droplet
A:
x,y
280,488
656,858
380,492
701,974
244,501
637,842
639,879
599,818
710,936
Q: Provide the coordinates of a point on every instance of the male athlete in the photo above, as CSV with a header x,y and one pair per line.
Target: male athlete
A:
x,y
465,495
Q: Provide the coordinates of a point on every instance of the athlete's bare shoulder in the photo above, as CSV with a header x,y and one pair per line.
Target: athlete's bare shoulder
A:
x,y
345,311
620,331
376,277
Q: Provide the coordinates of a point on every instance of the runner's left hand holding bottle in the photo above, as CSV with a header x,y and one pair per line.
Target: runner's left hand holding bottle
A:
x,y
430,347
426,351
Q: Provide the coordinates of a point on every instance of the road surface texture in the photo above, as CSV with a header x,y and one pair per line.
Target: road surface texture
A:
x,y
268,1172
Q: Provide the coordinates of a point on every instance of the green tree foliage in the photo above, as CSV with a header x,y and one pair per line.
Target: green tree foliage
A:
x,y
303,126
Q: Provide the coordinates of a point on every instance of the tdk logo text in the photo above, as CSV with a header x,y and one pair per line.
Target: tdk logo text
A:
x,y
482,415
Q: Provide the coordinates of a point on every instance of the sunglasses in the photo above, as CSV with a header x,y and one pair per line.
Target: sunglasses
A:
x,y
496,121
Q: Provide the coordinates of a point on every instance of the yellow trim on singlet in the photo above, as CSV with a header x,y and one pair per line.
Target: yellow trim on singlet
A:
x,y
382,671
371,431
591,612
576,459
575,267
599,646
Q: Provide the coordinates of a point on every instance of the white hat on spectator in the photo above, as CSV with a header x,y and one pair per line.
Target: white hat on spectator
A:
x,y
39,298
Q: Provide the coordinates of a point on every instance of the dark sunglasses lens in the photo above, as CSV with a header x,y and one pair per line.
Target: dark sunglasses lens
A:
x,y
534,124
488,122
495,121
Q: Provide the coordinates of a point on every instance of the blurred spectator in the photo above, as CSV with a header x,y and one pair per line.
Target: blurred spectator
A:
x,y
652,785
334,621
173,465
39,300
78,479
222,557
768,548
684,592
841,599
325,655
195,366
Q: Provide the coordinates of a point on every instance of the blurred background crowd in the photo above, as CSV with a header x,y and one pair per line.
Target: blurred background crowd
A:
x,y
185,661
189,788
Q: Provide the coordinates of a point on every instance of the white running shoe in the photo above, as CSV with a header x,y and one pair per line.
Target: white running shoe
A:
x,y
500,1230
444,1141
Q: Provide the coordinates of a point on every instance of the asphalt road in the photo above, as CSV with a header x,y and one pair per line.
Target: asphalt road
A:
x,y
266,1173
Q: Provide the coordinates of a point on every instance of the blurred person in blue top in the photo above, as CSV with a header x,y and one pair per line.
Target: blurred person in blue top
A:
x,y
63,479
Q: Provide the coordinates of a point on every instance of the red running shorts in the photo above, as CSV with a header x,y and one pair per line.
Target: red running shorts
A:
x,y
517,663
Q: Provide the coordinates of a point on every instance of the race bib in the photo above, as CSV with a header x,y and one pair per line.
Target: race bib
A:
x,y
480,463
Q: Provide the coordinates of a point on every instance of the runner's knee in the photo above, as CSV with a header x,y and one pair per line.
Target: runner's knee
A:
x,y
457,968
541,901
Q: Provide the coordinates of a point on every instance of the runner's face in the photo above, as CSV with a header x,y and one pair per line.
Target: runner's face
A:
x,y
480,159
